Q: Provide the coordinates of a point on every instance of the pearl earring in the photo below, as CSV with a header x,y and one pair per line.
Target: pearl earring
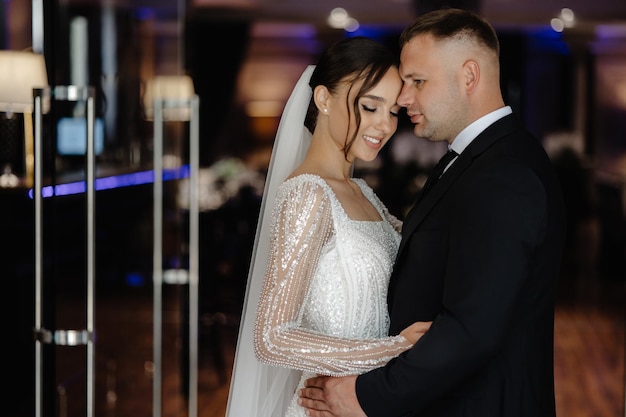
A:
x,y
325,110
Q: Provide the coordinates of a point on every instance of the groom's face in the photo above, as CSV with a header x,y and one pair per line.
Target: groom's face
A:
x,y
432,87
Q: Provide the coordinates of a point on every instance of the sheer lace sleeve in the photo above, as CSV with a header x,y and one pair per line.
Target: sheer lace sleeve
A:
x,y
302,226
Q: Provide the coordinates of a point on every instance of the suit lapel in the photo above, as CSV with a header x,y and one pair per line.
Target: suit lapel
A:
x,y
482,142
428,202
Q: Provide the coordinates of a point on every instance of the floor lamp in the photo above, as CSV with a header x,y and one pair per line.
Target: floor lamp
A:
x,y
20,73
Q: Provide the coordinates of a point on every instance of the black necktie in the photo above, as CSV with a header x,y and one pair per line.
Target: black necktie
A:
x,y
438,170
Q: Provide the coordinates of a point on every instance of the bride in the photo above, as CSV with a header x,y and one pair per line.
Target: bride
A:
x,y
316,301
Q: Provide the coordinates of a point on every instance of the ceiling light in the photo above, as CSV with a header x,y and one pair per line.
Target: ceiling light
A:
x,y
557,24
351,25
340,19
567,16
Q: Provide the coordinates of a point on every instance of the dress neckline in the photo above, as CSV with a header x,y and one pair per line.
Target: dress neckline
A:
x,y
359,182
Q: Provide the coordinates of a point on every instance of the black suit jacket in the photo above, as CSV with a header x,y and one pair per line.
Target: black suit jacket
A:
x,y
480,256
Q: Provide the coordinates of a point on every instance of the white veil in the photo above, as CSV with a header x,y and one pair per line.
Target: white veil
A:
x,y
258,390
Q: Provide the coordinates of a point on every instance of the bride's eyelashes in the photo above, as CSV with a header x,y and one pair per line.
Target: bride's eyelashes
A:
x,y
394,112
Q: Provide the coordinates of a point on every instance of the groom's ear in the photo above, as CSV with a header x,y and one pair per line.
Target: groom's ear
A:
x,y
321,97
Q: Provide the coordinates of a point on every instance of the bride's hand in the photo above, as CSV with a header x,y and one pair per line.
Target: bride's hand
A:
x,y
415,331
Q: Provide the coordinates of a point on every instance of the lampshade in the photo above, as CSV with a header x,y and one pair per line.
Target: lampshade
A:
x,y
169,87
20,72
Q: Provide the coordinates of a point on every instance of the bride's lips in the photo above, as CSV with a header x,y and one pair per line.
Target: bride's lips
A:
x,y
373,141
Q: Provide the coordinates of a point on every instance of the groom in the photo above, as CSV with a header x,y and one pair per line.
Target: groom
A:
x,y
480,251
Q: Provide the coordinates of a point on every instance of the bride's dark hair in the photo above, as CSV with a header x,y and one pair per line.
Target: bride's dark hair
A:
x,y
350,60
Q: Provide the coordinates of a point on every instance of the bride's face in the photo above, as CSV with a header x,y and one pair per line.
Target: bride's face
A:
x,y
379,116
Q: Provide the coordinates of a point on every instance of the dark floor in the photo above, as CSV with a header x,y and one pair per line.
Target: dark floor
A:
x,y
589,356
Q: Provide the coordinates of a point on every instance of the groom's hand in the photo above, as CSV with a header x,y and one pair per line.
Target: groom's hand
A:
x,y
325,396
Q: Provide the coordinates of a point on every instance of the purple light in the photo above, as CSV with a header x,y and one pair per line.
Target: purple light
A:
x,y
114,181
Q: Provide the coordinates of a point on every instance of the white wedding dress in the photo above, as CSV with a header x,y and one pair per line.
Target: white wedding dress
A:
x,y
320,281
323,307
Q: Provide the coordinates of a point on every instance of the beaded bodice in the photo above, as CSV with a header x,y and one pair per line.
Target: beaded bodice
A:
x,y
323,306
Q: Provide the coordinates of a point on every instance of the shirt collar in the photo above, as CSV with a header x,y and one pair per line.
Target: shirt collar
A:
x,y
467,135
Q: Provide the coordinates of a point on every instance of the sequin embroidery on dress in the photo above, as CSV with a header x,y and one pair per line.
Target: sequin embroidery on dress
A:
x,y
323,308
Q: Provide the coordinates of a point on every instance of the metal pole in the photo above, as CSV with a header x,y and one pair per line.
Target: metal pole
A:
x,y
38,27
192,105
58,336
38,96
194,151
91,243
157,268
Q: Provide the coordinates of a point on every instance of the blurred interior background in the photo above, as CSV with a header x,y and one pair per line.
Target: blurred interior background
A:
x,y
563,72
